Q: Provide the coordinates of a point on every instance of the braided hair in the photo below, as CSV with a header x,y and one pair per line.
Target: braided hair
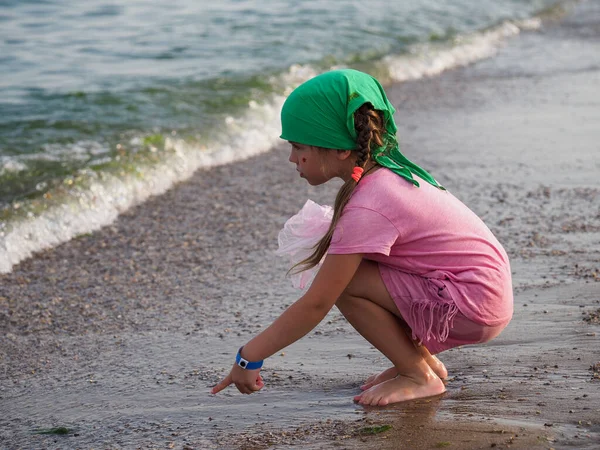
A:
x,y
369,127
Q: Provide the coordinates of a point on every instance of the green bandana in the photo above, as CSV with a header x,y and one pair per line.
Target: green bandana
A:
x,y
320,112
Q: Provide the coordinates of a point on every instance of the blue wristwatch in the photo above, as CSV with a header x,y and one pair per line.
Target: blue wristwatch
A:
x,y
245,364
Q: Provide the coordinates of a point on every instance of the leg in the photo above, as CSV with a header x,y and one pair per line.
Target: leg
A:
x,y
436,365
371,311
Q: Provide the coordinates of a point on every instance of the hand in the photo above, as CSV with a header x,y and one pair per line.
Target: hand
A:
x,y
247,381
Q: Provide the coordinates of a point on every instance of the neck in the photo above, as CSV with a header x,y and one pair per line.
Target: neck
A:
x,y
370,167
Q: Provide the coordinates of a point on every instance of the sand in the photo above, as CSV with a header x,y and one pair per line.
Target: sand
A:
x,y
119,335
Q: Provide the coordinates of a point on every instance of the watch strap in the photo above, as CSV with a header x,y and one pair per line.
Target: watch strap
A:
x,y
245,364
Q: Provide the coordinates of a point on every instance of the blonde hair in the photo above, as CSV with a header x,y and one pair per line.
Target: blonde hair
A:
x,y
369,127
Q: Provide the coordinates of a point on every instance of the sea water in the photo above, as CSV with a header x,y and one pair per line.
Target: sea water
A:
x,y
103,104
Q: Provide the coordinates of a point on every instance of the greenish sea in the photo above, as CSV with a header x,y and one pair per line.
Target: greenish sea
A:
x,y
104,104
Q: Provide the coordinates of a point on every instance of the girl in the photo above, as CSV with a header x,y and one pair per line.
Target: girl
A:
x,y
408,265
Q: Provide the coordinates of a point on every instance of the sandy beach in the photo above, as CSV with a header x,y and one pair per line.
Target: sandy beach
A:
x,y
118,336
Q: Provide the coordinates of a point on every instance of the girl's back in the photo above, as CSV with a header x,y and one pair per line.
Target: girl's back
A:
x,y
428,232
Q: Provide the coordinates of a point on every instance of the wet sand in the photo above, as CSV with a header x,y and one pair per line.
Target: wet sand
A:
x,y
119,335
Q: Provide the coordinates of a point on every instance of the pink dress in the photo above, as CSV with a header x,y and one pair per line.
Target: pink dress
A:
x,y
442,266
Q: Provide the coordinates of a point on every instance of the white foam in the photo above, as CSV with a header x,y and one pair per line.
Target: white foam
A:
x,y
10,164
428,60
81,150
108,195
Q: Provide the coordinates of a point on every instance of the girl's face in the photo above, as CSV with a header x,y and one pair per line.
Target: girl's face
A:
x,y
309,162
316,165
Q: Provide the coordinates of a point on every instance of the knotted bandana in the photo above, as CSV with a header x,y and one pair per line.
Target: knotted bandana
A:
x,y
320,112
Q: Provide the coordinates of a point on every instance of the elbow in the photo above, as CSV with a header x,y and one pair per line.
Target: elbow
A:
x,y
321,310
320,307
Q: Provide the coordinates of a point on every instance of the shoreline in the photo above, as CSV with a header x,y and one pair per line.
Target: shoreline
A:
x,y
118,335
87,201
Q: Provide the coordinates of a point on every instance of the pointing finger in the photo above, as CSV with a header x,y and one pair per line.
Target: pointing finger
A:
x,y
222,385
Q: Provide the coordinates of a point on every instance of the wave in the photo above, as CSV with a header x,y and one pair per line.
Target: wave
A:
x,y
427,60
99,197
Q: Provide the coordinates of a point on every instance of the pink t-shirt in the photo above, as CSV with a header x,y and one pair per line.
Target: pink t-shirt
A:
x,y
428,232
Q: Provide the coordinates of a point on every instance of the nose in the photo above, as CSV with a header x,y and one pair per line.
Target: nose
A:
x,y
293,158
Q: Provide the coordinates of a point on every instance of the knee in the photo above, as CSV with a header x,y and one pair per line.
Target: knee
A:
x,y
347,299
346,302
341,301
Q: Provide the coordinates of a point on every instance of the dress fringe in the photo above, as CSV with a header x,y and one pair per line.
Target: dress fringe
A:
x,y
425,327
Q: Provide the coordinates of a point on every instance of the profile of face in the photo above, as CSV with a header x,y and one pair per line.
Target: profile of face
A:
x,y
317,165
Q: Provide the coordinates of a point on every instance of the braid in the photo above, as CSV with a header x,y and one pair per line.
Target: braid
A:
x,y
369,128
363,139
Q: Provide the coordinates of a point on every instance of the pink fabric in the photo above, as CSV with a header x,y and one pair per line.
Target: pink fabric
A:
x,y
431,314
429,233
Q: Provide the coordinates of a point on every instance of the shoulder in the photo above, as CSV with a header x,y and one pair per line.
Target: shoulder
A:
x,y
383,180
380,191
373,207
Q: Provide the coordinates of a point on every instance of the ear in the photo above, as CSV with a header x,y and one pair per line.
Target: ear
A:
x,y
342,155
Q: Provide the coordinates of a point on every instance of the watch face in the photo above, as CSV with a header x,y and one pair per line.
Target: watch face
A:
x,y
243,364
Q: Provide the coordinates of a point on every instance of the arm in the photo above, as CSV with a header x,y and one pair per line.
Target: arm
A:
x,y
297,320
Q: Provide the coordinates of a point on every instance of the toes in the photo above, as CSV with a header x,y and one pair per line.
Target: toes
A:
x,y
365,400
376,401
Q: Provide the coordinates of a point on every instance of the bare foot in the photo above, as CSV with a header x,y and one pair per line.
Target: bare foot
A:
x,y
388,374
436,365
401,389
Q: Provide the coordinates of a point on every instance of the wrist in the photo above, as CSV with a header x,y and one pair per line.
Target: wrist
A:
x,y
245,364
